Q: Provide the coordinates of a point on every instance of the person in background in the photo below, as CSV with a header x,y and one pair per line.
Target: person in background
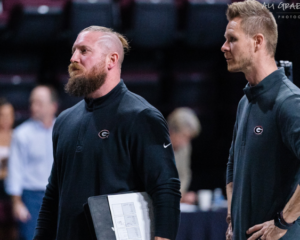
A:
x,y
31,159
6,124
184,125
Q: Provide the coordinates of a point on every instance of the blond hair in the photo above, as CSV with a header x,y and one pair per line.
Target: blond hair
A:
x,y
121,37
256,18
184,119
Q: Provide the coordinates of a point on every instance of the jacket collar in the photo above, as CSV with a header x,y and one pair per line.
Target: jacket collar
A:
x,y
266,84
92,104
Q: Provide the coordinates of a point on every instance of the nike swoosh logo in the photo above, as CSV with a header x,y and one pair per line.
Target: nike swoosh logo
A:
x,y
165,146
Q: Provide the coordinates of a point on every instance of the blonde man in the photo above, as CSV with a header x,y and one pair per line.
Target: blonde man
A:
x,y
113,141
263,172
184,125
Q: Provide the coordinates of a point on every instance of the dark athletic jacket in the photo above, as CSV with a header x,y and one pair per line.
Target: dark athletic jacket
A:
x,y
264,160
112,144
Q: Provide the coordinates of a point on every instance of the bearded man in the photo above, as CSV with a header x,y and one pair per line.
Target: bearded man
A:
x,y
113,141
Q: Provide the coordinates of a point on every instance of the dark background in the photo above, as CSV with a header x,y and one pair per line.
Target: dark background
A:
x,y
175,60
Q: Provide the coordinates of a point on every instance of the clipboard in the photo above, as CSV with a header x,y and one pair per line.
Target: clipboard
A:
x,y
99,217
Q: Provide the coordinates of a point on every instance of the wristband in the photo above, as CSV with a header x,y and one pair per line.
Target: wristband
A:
x,y
281,223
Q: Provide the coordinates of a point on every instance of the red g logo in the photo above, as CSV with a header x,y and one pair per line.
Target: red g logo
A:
x,y
258,130
103,134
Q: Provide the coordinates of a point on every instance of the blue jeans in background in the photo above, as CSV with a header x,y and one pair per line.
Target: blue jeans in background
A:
x,y
33,201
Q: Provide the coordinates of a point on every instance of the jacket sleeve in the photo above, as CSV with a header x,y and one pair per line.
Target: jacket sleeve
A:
x,y
153,157
17,157
288,121
229,174
47,220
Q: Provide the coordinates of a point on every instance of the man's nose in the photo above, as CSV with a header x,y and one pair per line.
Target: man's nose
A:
x,y
225,47
75,57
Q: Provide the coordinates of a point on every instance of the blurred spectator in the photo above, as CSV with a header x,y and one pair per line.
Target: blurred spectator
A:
x,y
184,125
31,159
6,125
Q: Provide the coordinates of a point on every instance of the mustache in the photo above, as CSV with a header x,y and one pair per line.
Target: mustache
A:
x,y
74,66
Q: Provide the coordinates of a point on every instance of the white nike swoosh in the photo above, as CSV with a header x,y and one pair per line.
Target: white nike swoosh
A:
x,y
165,146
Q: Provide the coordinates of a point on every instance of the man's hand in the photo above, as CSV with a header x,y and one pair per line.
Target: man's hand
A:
x,y
266,231
160,238
20,211
189,198
229,189
229,233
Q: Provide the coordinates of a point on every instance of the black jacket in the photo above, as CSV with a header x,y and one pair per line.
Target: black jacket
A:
x,y
264,160
112,144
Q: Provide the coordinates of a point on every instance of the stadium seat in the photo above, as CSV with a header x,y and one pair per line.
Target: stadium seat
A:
x,y
154,23
85,13
18,77
3,20
5,8
145,84
42,19
16,89
206,24
192,89
8,5
60,3
18,62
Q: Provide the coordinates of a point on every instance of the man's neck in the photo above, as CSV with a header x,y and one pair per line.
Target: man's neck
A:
x,y
5,130
109,84
47,122
260,71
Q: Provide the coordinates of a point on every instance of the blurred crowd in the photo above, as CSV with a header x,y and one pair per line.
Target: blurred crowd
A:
x,y
6,126
26,160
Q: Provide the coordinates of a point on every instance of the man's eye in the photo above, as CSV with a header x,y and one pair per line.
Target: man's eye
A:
x,y
83,51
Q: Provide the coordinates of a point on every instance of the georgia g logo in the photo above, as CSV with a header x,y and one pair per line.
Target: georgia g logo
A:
x,y
258,130
103,134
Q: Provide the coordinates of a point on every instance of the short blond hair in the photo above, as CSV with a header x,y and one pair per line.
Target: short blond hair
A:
x,y
256,18
121,37
184,119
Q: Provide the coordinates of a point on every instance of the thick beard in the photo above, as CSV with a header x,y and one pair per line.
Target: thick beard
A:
x,y
86,83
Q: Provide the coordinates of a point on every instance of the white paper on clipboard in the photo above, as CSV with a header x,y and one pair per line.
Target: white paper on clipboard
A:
x,y
132,215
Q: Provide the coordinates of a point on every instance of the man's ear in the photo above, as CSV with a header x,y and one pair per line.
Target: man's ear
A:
x,y
112,60
259,40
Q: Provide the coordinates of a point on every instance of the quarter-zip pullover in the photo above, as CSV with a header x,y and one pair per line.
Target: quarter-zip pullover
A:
x,y
264,159
113,144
